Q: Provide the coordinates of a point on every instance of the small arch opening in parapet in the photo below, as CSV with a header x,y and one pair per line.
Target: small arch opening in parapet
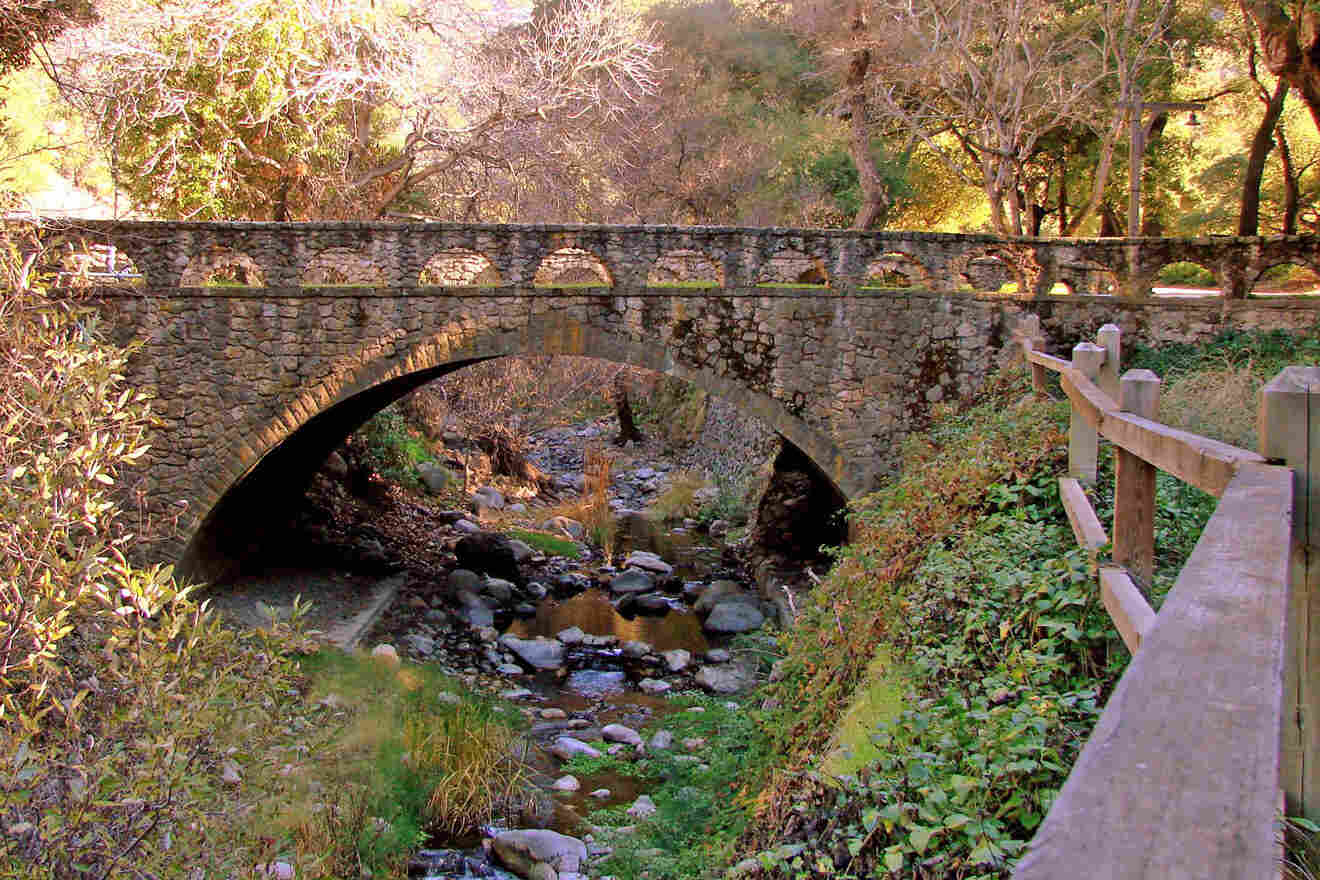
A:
x,y
459,267
222,267
1286,279
76,262
792,268
1185,278
685,268
341,267
896,270
572,267
1085,278
989,272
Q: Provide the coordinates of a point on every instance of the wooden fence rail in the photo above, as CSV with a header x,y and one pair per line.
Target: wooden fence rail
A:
x,y
1181,777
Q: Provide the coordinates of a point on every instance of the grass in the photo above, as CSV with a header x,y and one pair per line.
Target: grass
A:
x,y
406,753
548,544
678,501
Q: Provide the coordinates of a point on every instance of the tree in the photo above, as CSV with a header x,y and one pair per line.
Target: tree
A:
x,y
343,108
1290,44
980,83
24,24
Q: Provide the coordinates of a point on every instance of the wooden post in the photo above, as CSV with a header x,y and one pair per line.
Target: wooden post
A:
x,y
1083,441
1134,484
1110,339
1031,339
1289,428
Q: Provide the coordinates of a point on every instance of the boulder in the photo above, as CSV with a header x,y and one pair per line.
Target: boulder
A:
x,y
648,562
618,733
566,747
539,653
653,603
522,850
677,660
498,589
490,553
633,580
562,525
726,679
472,609
717,592
522,551
734,616
463,579
436,478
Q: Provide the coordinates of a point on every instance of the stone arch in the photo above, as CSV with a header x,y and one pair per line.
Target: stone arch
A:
x,y
1087,278
1297,276
792,267
340,266
686,268
997,270
1177,275
282,454
71,259
459,267
572,267
222,267
897,269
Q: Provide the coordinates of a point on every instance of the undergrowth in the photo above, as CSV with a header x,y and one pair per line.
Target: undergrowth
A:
x,y
394,448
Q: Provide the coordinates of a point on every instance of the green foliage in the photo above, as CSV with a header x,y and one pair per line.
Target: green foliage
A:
x,y
702,807
123,705
1186,275
1266,352
547,544
394,447
410,752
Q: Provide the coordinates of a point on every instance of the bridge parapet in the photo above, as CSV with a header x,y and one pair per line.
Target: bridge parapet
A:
x,y
179,254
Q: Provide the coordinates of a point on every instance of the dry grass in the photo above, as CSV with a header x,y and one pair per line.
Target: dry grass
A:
x,y
679,500
1216,403
592,508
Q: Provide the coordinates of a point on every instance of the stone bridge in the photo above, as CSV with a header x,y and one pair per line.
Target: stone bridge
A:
x,y
266,344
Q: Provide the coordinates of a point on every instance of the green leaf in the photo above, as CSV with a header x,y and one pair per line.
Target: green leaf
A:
x,y
894,860
920,838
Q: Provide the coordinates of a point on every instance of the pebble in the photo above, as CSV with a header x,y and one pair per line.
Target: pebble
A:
x,y
553,714
692,743
618,733
677,659
654,686
636,650
601,793
567,747
509,669
642,808
662,740
516,694
718,655
566,783
571,636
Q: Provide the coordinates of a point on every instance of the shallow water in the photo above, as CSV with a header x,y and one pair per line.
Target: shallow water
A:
x,y
593,613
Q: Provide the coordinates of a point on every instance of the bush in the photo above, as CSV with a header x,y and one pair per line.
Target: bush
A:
x,y
1186,275
395,449
134,727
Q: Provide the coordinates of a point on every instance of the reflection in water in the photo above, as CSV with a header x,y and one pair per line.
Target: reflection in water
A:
x,y
691,554
593,614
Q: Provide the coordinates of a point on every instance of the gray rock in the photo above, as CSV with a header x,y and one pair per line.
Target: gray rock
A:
x,y
516,694
570,636
522,551
522,850
653,603
524,609
537,590
618,733
435,477
642,808
636,650
654,686
566,747
566,783
677,660
519,507
594,641
716,593
463,579
490,497
718,655
648,562
734,616
662,740
539,653
600,793
692,590
726,679
563,525
472,609
498,589
335,466
718,528
466,527
420,644
509,669
634,580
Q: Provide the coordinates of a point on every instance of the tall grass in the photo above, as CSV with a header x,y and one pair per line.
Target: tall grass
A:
x,y
592,508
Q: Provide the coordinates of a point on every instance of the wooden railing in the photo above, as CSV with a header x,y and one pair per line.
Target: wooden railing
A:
x,y
1181,776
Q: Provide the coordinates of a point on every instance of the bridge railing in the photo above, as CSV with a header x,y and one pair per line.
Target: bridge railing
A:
x,y
1181,776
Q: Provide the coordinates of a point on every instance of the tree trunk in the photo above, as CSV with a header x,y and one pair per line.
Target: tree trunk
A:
x,y
1110,227
1292,195
1249,207
1063,199
1291,49
875,196
627,426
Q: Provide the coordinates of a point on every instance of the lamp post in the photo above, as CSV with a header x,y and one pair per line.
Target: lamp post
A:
x,y
1137,148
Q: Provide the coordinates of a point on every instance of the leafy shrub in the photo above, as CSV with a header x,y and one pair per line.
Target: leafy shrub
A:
x,y
1186,275
122,704
394,448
